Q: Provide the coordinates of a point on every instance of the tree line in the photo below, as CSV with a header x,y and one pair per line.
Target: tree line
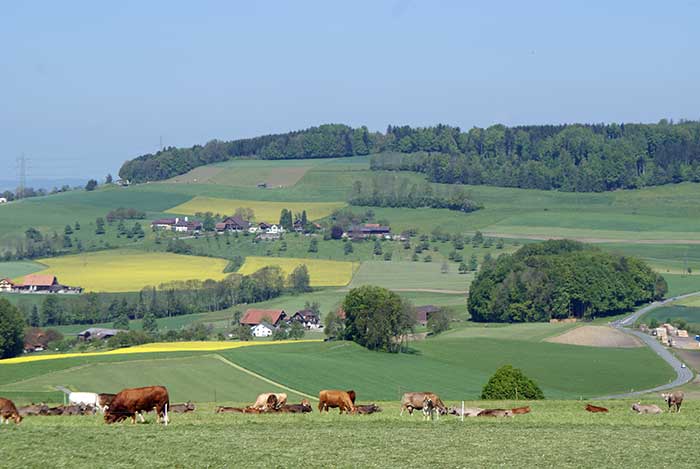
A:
x,y
576,157
560,279
389,190
168,299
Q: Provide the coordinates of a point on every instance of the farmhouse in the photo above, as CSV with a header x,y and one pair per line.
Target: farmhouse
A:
x,y
307,318
6,285
253,317
368,230
234,223
98,333
43,283
264,329
423,313
181,225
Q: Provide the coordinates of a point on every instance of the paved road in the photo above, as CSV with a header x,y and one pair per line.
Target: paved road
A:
x,y
683,373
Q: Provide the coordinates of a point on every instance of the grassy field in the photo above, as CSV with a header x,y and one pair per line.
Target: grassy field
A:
x,y
411,275
322,273
690,314
264,211
130,270
18,268
556,434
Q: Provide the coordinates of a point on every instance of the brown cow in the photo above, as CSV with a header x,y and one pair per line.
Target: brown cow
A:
x,y
224,410
595,408
104,400
332,398
646,409
130,401
263,400
182,408
368,409
8,411
414,400
352,395
674,400
521,410
34,409
468,411
495,413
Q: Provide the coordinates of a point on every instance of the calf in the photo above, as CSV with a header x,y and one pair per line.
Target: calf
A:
x,y
595,409
674,400
8,411
368,409
182,408
495,413
646,409
521,410
302,408
128,402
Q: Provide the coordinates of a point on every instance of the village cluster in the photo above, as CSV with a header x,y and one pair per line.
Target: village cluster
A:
x,y
672,336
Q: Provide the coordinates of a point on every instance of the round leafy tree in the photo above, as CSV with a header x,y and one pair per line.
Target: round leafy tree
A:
x,y
510,383
11,330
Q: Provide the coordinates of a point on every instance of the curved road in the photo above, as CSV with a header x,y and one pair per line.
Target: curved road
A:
x,y
683,373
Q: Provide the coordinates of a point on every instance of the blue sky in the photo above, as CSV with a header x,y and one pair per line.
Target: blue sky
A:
x,y
85,85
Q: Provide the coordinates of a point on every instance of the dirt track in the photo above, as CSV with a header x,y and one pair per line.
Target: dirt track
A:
x,y
594,240
596,336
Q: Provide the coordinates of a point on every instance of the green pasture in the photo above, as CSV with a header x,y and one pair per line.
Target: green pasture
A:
x,y
555,434
690,314
411,275
16,269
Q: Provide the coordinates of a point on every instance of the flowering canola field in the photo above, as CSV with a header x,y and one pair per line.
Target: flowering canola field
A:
x,y
322,273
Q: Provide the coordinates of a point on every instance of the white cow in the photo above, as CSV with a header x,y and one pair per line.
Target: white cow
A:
x,y
84,398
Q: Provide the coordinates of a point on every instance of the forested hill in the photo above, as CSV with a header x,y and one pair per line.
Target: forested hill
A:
x,y
577,157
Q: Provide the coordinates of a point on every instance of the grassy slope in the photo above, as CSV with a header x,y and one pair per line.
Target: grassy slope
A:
x,y
408,275
19,268
555,434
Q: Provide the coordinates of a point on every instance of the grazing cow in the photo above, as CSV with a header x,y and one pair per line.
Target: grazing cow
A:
x,y
34,409
262,401
495,413
674,400
83,398
521,410
414,400
352,395
646,409
8,411
302,408
595,409
468,411
368,409
429,409
104,400
130,401
182,408
332,398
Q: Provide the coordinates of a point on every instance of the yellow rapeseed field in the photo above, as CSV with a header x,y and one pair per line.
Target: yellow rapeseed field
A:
x,y
264,211
322,273
128,270
154,348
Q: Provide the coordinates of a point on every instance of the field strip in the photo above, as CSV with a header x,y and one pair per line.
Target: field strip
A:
x,y
260,377
419,290
584,239
156,347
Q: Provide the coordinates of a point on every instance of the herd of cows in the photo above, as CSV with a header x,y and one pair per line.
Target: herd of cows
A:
x,y
134,402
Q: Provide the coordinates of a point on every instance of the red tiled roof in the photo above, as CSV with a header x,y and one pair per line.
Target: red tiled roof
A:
x,y
39,280
253,317
7,280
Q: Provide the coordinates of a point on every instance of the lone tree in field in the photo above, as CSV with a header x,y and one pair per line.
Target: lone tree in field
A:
x,y
377,318
11,330
299,280
510,383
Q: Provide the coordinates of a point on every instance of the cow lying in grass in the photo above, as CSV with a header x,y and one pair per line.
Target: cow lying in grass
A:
x,y
521,410
646,409
34,409
182,408
269,400
495,413
367,409
468,411
595,409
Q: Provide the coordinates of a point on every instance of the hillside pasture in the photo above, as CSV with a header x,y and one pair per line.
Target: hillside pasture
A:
x,y
15,269
322,273
411,276
555,434
130,270
264,211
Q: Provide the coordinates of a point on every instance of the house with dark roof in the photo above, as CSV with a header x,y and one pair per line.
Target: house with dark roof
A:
x,y
368,230
234,223
306,318
6,285
98,333
253,317
264,329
